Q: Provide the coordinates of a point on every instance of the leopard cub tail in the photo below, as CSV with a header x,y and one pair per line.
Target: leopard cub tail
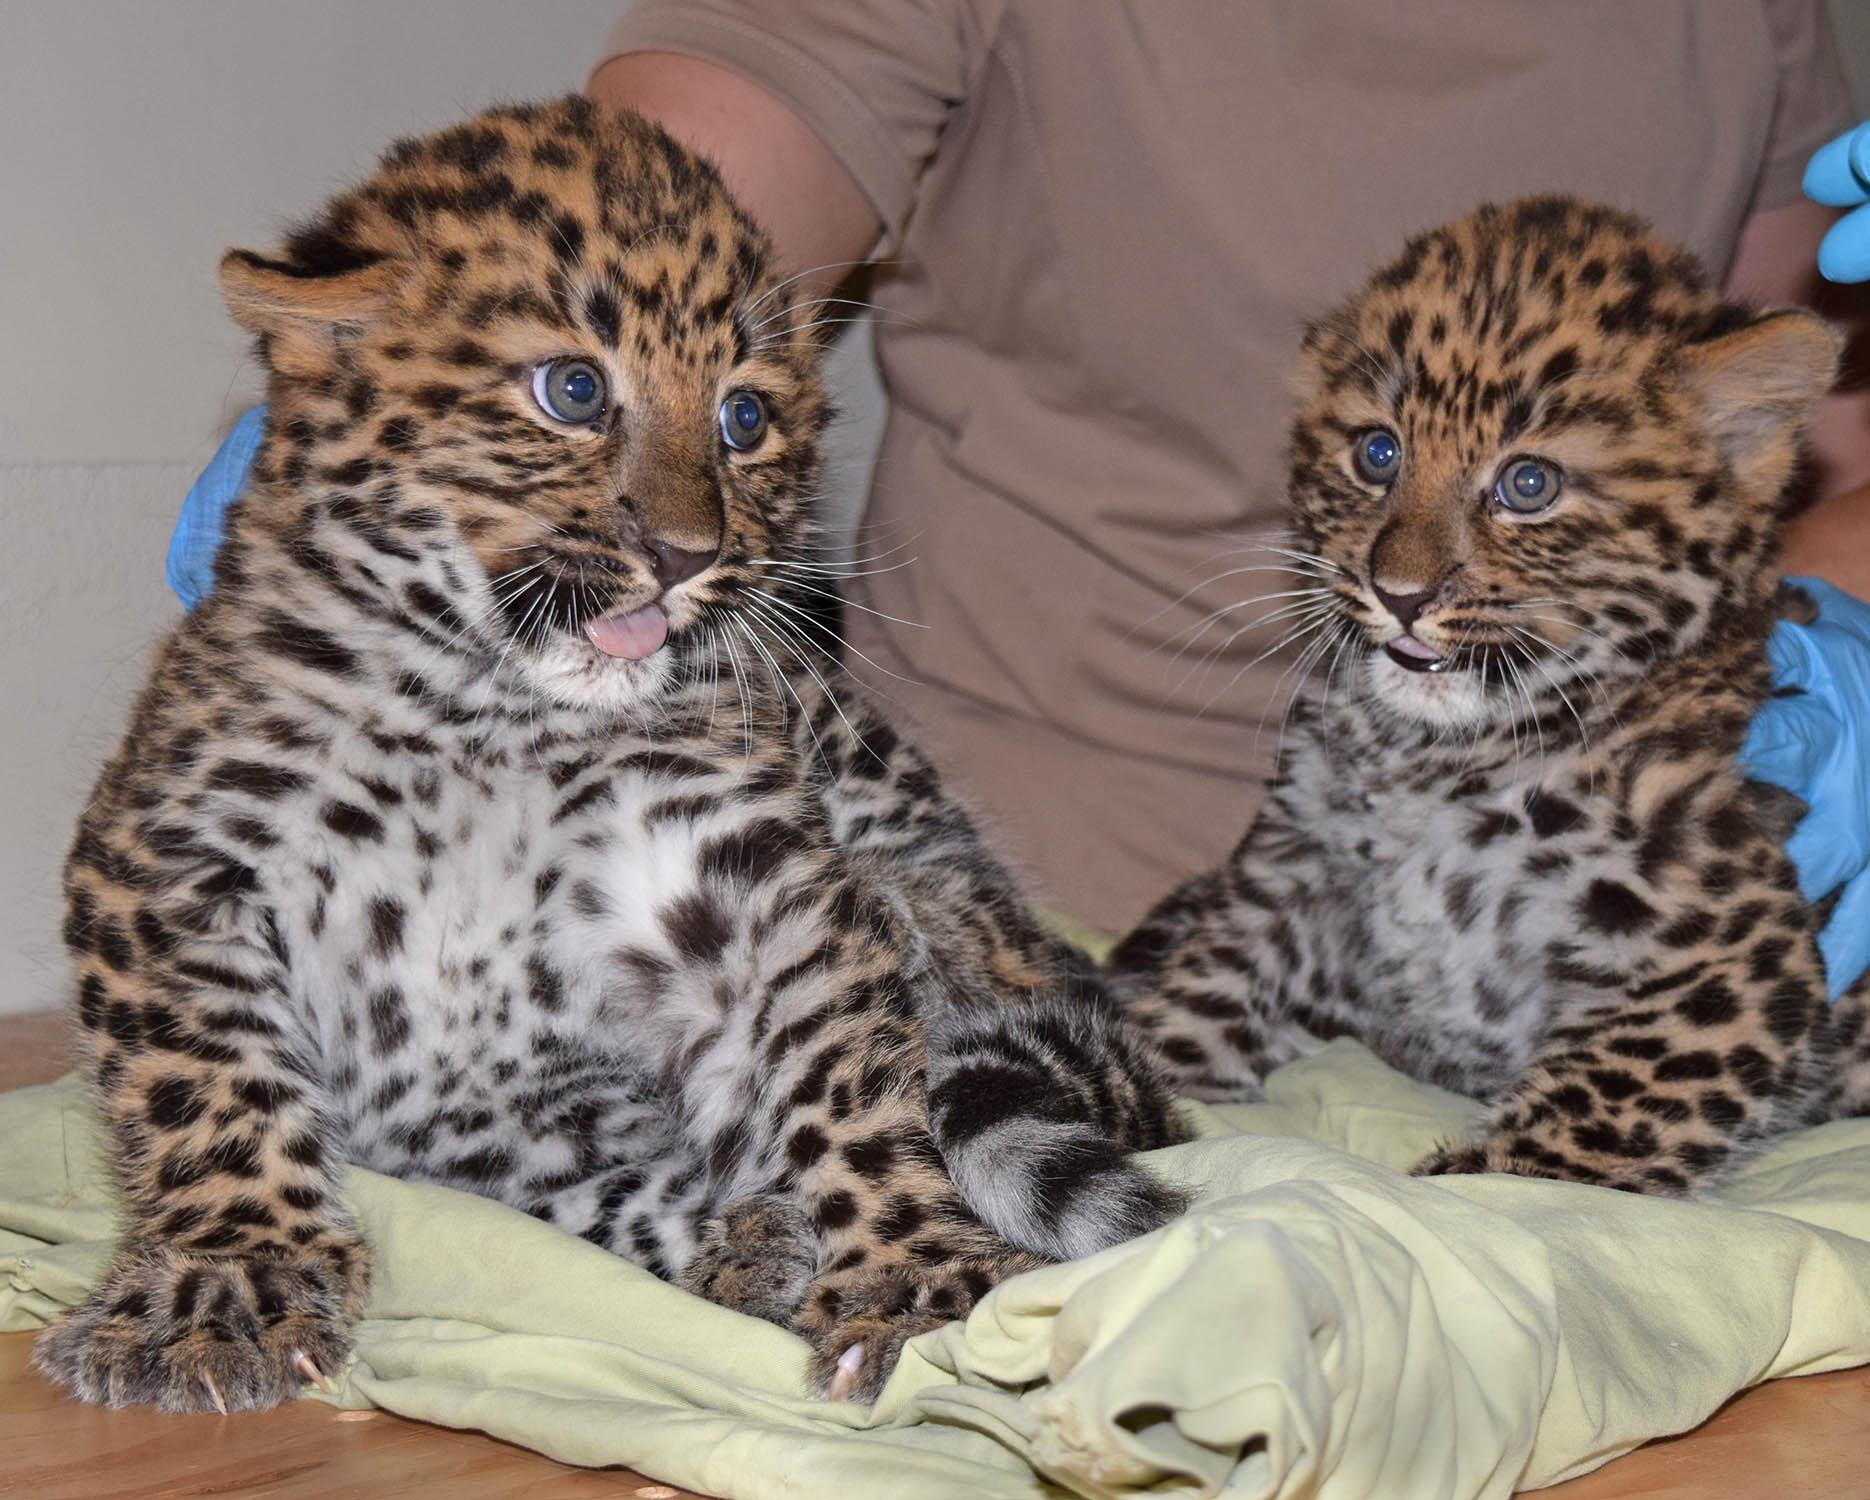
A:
x,y
1035,1106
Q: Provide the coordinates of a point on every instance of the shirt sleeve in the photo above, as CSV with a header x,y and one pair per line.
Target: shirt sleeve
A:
x,y
875,80
1813,101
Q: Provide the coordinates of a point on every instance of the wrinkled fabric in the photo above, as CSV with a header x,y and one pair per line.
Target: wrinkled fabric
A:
x,y
1838,176
1812,742
1320,1324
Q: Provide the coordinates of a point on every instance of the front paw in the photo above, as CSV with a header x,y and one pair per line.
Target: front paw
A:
x,y
857,1321
857,1327
195,1333
1453,1161
758,1258
1524,1156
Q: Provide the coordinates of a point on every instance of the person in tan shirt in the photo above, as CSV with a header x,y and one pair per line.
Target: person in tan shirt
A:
x,y
1097,230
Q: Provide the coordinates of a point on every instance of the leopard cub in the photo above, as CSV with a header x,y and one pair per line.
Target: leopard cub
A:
x,y
490,824
1536,481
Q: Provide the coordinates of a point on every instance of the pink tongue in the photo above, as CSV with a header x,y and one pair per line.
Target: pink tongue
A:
x,y
1408,645
633,636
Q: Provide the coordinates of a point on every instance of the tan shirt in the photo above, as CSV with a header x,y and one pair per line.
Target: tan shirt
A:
x,y
1106,224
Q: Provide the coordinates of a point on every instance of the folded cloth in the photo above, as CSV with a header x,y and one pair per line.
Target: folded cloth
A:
x,y
1319,1324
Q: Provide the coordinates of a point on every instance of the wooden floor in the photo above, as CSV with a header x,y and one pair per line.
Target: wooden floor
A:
x,y
1807,1438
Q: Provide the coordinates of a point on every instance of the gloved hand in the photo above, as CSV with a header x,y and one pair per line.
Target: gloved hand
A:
x,y
1816,743
203,521
1838,175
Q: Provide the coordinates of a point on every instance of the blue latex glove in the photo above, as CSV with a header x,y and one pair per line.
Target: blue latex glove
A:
x,y
1816,743
203,521
1838,175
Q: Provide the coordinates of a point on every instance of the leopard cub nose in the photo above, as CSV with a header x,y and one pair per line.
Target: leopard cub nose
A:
x,y
1405,606
673,565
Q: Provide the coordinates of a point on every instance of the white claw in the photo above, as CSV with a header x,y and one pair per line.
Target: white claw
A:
x,y
214,1394
308,1367
845,1380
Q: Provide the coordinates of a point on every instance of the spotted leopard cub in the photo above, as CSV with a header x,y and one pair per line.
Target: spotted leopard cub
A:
x,y
1537,471
489,825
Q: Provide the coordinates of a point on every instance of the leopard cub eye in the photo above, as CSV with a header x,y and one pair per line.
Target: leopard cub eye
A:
x,y
1527,485
743,421
1377,455
569,390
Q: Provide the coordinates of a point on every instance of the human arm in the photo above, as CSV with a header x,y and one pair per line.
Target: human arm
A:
x,y
1806,737
778,169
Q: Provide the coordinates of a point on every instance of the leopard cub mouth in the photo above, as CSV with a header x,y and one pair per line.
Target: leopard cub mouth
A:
x,y
1411,655
631,634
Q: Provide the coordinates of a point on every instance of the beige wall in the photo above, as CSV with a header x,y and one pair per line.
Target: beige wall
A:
x,y
138,138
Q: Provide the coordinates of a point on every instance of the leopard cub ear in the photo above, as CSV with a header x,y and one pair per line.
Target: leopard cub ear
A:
x,y
302,314
1758,383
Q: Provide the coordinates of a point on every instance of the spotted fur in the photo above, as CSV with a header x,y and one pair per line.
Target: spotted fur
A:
x,y
393,867
1535,873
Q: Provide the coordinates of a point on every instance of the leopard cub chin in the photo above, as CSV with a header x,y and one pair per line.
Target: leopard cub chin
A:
x,y
1537,475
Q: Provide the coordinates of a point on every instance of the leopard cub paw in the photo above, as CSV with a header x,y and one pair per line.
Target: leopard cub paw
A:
x,y
757,1257
1452,1161
1524,1157
858,1320
197,1333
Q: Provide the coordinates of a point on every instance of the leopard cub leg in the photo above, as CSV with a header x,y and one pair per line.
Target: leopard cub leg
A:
x,y
898,1251
240,1274
856,1290
1240,970
1661,1092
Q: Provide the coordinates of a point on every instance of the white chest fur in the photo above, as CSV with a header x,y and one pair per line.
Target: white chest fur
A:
x,y
1447,906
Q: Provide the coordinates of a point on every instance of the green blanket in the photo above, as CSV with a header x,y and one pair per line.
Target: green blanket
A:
x,y
1319,1324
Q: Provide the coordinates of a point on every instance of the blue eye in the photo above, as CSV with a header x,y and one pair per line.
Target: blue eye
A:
x,y
569,390
743,421
1377,456
1527,485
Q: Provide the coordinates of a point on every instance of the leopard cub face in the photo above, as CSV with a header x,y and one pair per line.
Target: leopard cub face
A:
x,y
1539,451
549,393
